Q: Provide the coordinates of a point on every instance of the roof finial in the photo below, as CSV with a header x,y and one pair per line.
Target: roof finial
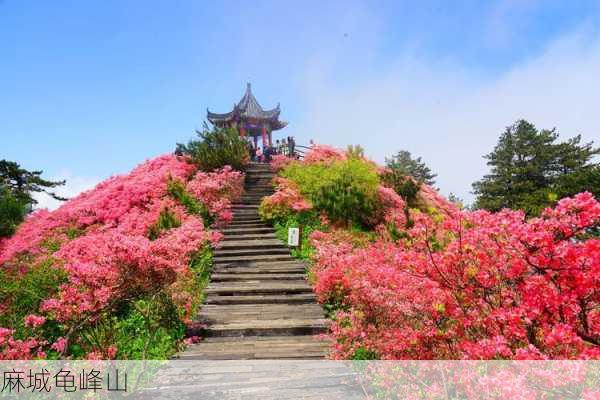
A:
x,y
248,89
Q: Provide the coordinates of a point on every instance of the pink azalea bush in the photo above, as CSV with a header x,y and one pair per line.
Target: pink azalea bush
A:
x,y
102,245
323,153
437,282
476,285
286,199
280,161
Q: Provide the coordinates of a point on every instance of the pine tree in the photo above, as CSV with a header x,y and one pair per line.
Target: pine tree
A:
x,y
528,166
17,186
23,183
404,164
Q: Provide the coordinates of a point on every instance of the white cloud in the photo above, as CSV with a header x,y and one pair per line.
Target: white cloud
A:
x,y
452,117
74,185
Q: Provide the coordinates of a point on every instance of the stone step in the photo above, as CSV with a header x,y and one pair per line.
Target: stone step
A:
x,y
253,212
249,223
244,210
277,327
241,206
245,288
258,347
266,264
246,260
255,244
246,216
237,313
250,236
263,251
291,268
252,196
259,174
297,298
259,188
246,231
229,277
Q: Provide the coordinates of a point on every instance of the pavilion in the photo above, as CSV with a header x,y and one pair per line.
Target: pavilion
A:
x,y
250,119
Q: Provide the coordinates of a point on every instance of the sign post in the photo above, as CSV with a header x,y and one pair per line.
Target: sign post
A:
x,y
294,238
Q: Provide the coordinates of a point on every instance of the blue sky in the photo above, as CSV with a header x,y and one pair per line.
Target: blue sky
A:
x,y
90,89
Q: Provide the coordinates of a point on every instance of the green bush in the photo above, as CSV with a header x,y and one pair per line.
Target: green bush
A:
x,y
12,212
178,192
147,328
216,148
308,221
345,190
21,292
166,220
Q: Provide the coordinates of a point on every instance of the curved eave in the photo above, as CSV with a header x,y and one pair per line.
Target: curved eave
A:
x,y
215,118
277,125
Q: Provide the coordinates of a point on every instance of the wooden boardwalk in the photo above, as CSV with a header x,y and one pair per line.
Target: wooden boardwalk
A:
x,y
259,304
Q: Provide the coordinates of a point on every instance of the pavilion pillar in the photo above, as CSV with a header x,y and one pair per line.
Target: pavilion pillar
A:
x,y
264,136
242,131
256,141
270,139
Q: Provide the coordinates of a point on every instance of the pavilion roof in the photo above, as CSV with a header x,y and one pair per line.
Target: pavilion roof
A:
x,y
248,108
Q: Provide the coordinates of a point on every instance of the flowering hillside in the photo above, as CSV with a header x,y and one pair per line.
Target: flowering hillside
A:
x,y
437,282
122,260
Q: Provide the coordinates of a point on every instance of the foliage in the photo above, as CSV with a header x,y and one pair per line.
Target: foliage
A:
x,y
402,184
217,148
308,222
12,212
530,170
21,292
23,183
217,190
192,205
402,164
355,151
474,285
89,272
166,220
345,190
285,202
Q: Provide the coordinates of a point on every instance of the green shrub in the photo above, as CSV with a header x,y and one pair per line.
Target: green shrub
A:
x,y
201,266
178,192
362,353
12,212
22,292
147,328
345,190
216,148
166,220
308,221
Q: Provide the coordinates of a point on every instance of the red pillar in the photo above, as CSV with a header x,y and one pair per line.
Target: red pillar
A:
x,y
256,142
242,131
270,139
264,136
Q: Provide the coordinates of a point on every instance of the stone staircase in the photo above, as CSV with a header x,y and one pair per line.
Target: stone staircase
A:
x,y
258,303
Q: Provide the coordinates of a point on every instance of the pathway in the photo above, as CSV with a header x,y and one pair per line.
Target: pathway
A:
x,y
258,304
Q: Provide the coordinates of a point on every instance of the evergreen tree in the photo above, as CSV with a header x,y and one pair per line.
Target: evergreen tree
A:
x,y
12,212
530,171
216,148
404,164
22,183
17,186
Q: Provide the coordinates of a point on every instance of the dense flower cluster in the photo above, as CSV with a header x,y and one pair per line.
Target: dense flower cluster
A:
x,y
473,285
286,199
102,240
217,190
323,153
279,161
